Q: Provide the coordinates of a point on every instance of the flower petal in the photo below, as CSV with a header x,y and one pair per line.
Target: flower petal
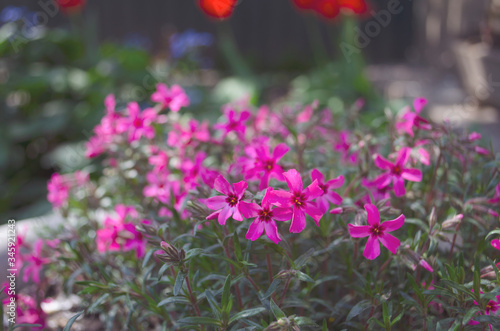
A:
x,y
293,180
249,210
359,231
298,221
222,185
413,175
372,249
403,155
255,230
383,163
390,242
334,197
217,202
373,214
272,232
313,191
279,151
317,175
236,213
399,187
224,215
389,226
282,214
336,182
240,188
280,198
314,212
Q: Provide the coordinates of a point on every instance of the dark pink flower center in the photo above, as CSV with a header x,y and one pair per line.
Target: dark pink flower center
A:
x,y
376,230
397,170
232,200
491,307
299,200
137,122
167,100
268,165
324,187
265,215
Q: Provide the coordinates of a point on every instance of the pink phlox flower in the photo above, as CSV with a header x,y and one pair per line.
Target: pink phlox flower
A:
x,y
28,311
194,170
34,262
496,243
491,309
343,146
329,195
412,120
159,160
305,115
377,232
299,200
81,177
378,193
265,165
265,217
235,122
159,186
192,135
474,136
138,123
481,151
420,154
397,172
496,197
228,204
58,188
173,98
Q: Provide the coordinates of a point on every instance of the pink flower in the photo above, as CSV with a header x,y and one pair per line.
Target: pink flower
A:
x,y
264,165
329,195
235,123
481,151
411,120
376,232
344,146
496,197
396,172
194,133
58,188
376,192
265,218
229,204
491,308
299,200
496,243
34,263
28,311
159,160
173,98
138,123
474,136
158,186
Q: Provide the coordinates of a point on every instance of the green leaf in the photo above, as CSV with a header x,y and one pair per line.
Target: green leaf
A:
x,y
193,253
302,260
214,305
277,312
237,247
358,309
98,302
199,320
71,321
397,319
493,233
179,281
173,300
470,313
305,321
246,313
26,325
272,288
385,315
304,277
148,257
226,294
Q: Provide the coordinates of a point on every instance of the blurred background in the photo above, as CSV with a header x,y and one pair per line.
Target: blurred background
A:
x,y
57,65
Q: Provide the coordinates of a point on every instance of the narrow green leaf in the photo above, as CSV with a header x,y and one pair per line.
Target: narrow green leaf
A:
x,y
277,312
492,233
302,260
237,247
272,288
397,319
199,320
179,281
385,315
148,257
358,309
470,313
214,305
246,313
225,294
325,326
304,321
193,253
71,321
304,277
173,300
98,302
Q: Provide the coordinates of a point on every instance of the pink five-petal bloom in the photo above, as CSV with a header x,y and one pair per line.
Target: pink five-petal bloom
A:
x,y
376,232
299,200
58,188
496,197
396,172
173,98
329,195
411,120
229,204
265,218
481,151
34,263
496,243
138,123
235,123
265,165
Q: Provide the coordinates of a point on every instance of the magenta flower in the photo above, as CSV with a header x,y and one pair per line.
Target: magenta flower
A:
x,y
344,146
235,123
496,243
411,120
491,308
496,197
396,172
299,200
264,164
159,186
265,218
138,123
180,137
229,204
329,195
474,136
376,232
173,98
34,263
58,188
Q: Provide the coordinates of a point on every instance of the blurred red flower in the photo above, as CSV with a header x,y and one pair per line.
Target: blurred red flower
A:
x,y
218,8
70,6
331,8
